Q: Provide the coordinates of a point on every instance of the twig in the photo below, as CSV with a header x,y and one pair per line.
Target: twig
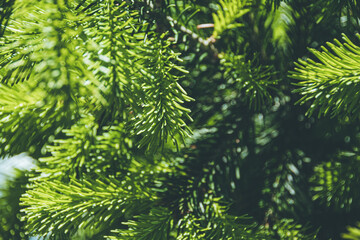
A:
x,y
208,43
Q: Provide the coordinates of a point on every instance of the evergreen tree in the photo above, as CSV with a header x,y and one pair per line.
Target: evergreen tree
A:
x,y
187,119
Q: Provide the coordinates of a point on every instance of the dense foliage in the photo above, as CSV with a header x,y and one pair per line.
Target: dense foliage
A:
x,y
181,119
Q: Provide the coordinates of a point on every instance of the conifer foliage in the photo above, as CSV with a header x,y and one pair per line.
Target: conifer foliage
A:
x,y
185,120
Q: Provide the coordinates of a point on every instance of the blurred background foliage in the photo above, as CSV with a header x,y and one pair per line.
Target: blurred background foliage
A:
x,y
186,119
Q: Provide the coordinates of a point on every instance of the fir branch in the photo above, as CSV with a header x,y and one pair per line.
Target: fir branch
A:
x,y
253,81
288,229
163,113
48,66
220,227
332,182
85,150
11,227
54,207
153,226
29,121
282,23
353,233
226,16
6,9
141,69
330,84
